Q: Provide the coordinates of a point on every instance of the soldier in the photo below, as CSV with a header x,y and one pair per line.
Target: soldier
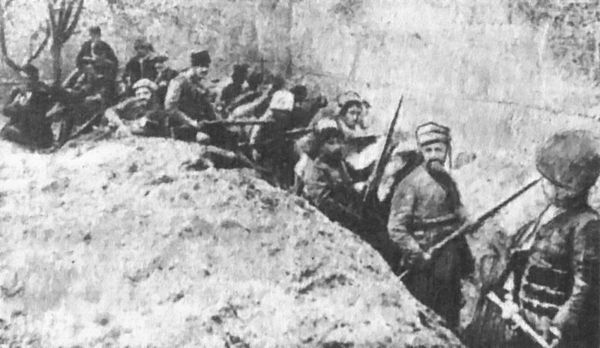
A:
x,y
269,141
89,94
552,279
141,66
95,46
425,208
187,100
235,88
140,114
327,184
164,76
27,108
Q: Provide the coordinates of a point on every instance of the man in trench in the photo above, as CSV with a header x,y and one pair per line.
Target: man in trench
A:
x,y
425,208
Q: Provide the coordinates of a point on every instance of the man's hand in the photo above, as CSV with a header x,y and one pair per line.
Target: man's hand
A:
x,y
551,334
123,132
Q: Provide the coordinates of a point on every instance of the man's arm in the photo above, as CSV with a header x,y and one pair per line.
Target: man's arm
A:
x,y
585,266
401,215
173,95
83,52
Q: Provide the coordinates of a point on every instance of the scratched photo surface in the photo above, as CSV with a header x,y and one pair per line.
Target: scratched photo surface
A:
x,y
263,173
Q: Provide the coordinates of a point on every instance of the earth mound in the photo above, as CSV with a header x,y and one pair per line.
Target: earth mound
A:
x,y
114,243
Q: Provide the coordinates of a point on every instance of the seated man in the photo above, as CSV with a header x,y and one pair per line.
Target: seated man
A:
x,y
235,88
187,100
27,109
140,114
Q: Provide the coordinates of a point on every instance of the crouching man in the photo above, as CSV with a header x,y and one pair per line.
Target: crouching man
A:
x,y
27,108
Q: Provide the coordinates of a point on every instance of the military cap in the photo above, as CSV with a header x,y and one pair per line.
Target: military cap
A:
x,y
200,58
432,132
95,30
570,160
145,83
240,69
141,42
282,100
161,58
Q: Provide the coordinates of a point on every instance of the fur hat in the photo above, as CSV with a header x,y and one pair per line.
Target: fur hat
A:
x,y
432,132
349,96
200,58
570,159
145,83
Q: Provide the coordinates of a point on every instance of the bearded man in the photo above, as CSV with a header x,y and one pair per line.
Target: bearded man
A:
x,y
425,208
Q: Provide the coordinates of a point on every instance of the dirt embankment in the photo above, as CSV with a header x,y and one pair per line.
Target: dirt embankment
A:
x,y
113,244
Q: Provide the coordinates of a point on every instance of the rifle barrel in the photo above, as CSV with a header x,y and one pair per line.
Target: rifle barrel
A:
x,y
480,220
379,166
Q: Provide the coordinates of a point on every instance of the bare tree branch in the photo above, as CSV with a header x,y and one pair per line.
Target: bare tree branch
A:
x,y
75,20
11,63
42,45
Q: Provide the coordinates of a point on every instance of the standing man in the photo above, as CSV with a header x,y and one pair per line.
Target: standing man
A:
x,y
95,46
141,66
425,208
553,278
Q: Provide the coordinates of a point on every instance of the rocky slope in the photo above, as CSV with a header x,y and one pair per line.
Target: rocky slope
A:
x,y
114,244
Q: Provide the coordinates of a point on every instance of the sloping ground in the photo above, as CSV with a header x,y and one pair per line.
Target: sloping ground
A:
x,y
113,244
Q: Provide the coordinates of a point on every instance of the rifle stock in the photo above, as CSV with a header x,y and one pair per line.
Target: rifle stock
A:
x,y
520,322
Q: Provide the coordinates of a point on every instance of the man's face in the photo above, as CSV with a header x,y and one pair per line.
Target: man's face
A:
x,y
352,116
435,154
142,52
160,66
332,147
95,37
144,94
200,72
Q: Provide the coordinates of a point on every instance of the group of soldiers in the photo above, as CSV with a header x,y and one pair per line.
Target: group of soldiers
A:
x,y
550,285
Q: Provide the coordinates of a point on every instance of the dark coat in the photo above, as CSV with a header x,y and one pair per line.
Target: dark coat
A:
x,y
101,46
28,123
137,69
162,80
561,277
556,277
189,97
423,212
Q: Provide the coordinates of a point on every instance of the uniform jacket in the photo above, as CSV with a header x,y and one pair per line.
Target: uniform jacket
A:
x,y
560,278
422,212
27,108
189,97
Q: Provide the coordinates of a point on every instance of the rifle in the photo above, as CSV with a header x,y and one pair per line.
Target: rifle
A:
x,y
520,322
236,122
469,227
381,161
